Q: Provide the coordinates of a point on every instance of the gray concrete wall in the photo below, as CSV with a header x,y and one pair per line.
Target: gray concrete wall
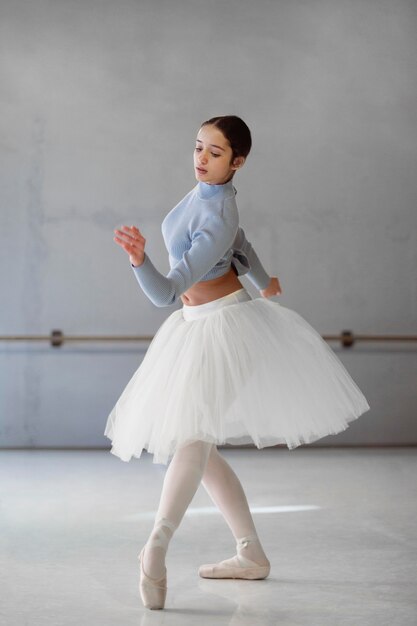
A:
x,y
100,102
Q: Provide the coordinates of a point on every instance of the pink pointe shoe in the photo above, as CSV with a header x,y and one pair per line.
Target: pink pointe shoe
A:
x,y
152,591
236,567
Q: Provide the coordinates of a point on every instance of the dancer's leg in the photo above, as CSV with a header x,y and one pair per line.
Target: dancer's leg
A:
x,y
226,491
181,481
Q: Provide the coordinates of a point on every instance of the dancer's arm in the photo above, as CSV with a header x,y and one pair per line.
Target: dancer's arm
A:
x,y
209,243
247,261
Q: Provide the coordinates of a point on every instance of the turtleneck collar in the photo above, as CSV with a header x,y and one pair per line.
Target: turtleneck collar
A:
x,y
205,190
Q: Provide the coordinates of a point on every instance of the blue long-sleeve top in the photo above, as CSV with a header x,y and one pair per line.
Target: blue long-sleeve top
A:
x,y
203,239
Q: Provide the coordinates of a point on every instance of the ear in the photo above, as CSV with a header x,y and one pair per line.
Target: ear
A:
x,y
238,162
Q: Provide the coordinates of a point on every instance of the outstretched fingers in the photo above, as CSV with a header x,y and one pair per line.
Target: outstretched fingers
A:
x,y
131,240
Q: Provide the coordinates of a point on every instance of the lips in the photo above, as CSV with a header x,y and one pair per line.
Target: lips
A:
x,y
200,170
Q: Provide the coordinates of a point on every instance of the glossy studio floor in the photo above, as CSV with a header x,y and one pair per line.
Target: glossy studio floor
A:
x,y
338,525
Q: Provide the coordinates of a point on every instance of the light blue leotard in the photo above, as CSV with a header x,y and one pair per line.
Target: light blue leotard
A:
x,y
203,239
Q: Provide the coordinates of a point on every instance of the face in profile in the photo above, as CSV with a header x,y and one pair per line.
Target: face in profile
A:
x,y
213,156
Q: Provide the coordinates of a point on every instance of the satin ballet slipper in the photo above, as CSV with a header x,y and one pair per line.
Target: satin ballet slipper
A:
x,y
152,591
247,569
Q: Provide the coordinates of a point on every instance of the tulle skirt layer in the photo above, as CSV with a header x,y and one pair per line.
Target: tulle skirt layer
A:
x,y
235,370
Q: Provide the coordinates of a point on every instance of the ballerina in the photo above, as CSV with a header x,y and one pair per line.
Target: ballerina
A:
x,y
224,368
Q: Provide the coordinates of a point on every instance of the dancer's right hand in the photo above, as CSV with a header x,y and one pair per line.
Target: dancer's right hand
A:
x,y
132,241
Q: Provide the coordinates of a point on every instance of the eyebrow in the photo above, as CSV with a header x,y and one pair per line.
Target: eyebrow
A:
x,y
213,145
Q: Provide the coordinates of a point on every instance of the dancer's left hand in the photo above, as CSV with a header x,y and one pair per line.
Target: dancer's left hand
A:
x,y
273,289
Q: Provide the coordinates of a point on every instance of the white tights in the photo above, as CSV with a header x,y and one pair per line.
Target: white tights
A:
x,y
192,464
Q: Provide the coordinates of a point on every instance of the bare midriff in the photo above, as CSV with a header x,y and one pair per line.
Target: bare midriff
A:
x,y
208,290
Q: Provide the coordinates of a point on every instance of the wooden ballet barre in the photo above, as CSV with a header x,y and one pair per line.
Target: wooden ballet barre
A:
x,y
57,338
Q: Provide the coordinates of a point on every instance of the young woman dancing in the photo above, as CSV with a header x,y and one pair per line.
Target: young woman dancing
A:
x,y
225,367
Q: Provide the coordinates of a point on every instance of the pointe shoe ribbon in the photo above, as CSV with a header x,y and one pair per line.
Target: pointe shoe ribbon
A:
x,y
236,567
152,591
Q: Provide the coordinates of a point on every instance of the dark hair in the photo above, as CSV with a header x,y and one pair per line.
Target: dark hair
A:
x,y
235,131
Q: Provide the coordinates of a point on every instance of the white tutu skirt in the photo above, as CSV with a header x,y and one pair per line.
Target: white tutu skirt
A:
x,y
234,370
